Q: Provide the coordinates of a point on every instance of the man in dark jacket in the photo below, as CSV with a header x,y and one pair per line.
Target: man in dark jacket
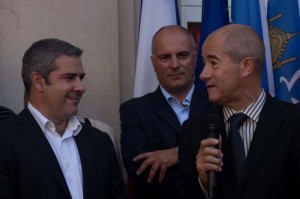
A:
x,y
151,124
45,152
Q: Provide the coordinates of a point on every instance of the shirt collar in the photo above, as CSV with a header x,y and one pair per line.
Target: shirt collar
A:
x,y
252,111
73,124
169,97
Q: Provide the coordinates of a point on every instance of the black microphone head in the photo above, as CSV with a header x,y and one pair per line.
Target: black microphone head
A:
x,y
213,123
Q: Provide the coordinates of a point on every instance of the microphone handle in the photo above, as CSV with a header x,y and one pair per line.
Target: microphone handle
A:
x,y
212,185
212,175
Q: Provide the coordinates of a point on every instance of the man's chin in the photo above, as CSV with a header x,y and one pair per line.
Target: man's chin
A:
x,y
179,85
212,99
75,102
73,111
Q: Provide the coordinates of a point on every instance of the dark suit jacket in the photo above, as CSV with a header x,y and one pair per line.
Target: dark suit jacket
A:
x,y
6,113
272,167
29,168
148,124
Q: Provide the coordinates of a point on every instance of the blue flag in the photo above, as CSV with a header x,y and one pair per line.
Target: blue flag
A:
x,y
214,16
284,29
252,13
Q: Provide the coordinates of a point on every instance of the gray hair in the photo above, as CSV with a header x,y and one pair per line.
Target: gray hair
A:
x,y
41,56
241,42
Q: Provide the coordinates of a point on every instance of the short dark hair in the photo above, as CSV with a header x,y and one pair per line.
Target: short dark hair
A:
x,y
41,56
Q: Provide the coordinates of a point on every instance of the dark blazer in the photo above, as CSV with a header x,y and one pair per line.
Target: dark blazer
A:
x,y
6,113
29,168
272,167
148,124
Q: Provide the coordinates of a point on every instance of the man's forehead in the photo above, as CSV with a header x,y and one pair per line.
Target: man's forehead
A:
x,y
170,32
69,65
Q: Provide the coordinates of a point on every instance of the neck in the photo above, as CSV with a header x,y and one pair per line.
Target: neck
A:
x,y
61,127
246,99
181,95
60,124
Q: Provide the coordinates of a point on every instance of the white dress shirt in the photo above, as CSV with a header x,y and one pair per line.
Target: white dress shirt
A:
x,y
65,150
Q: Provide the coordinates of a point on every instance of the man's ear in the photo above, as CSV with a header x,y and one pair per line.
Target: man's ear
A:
x,y
37,81
153,62
247,66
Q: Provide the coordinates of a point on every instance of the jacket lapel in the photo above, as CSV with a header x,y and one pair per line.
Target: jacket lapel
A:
x,y
266,129
32,131
164,111
85,152
199,102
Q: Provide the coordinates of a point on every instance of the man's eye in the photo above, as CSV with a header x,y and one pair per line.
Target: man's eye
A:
x,y
163,57
214,64
69,77
183,55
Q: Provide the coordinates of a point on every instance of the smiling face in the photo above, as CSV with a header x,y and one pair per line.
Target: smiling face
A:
x,y
174,60
62,92
221,74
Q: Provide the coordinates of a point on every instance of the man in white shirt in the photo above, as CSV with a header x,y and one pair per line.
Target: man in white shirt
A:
x,y
45,152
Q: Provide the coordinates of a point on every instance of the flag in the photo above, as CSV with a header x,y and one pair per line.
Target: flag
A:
x,y
214,16
299,7
253,13
284,29
154,15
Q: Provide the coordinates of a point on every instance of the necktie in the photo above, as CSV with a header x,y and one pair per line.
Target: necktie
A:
x,y
236,142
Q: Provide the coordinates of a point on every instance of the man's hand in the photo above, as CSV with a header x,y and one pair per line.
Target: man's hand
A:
x,y
208,159
158,160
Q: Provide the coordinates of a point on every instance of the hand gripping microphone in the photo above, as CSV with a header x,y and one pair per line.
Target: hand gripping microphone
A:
x,y
213,129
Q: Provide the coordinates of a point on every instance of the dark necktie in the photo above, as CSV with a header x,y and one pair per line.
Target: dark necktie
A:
x,y
236,142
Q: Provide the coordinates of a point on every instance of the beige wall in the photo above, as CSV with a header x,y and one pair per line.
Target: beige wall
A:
x,y
128,36
104,29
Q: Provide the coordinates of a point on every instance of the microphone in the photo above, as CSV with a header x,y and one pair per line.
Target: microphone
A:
x,y
213,129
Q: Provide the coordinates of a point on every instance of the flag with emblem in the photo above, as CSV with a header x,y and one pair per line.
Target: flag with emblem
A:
x,y
253,13
284,30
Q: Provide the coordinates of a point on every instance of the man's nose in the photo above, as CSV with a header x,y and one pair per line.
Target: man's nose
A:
x,y
175,63
205,74
79,86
